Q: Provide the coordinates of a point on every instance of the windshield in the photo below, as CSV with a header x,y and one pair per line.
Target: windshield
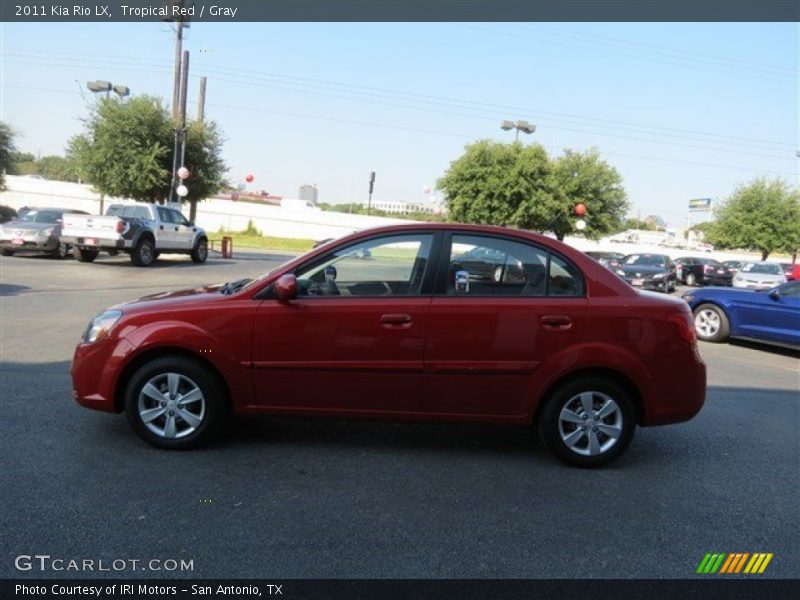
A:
x,y
763,269
40,216
645,260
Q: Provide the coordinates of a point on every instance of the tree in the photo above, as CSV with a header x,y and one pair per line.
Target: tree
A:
x,y
519,185
56,168
762,215
585,178
641,224
126,150
6,149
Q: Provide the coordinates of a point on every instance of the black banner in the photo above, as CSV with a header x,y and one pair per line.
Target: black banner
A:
x,y
397,10
702,588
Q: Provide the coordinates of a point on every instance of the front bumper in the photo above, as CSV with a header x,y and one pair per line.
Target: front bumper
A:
x,y
38,244
717,280
655,285
95,370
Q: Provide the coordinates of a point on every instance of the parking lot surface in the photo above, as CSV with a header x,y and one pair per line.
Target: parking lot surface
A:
x,y
285,498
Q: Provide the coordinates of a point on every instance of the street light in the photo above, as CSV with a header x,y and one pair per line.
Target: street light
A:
x,y
522,126
100,86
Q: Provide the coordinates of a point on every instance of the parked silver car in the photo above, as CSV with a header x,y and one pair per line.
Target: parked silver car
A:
x,y
759,276
37,229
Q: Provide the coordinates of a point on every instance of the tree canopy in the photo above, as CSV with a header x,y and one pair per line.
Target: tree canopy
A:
x,y
126,150
763,215
6,149
519,185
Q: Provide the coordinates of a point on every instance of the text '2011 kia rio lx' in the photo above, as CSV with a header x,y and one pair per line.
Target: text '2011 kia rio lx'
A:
x,y
429,321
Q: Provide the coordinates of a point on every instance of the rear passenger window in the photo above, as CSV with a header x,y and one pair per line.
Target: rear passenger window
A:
x,y
484,266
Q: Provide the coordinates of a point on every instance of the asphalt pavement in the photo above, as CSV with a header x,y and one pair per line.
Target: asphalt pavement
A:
x,y
294,498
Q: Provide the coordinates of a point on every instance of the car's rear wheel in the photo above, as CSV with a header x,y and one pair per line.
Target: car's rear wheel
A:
x,y
711,323
85,255
144,254
200,251
174,403
588,422
691,280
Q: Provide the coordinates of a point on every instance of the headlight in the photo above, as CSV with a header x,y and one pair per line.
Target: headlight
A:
x,y
659,276
101,325
620,272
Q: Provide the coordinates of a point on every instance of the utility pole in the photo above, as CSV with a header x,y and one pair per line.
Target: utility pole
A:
x,y
371,188
201,102
177,81
179,149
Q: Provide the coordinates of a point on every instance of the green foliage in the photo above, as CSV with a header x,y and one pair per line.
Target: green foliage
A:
x,y
126,150
251,229
6,149
763,215
360,209
640,224
521,186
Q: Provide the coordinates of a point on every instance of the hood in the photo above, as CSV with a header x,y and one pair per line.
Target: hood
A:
x,y
25,226
643,269
163,300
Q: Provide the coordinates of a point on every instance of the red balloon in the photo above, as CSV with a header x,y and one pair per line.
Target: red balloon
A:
x,y
580,209
249,178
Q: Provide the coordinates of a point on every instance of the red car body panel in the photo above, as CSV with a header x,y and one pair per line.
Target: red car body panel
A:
x,y
436,357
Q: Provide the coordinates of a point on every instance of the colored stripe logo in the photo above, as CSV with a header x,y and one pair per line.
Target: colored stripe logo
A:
x,y
734,562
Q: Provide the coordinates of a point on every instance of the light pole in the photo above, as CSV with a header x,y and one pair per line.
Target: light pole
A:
x,y
100,86
522,126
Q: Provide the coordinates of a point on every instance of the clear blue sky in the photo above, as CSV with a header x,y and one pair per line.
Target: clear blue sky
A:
x,y
682,110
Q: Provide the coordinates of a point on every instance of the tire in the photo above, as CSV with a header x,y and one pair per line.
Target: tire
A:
x,y
711,323
113,252
85,255
690,280
200,251
7,252
557,433
192,424
144,254
61,251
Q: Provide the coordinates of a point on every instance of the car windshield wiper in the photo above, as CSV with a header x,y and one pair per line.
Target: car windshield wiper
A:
x,y
234,286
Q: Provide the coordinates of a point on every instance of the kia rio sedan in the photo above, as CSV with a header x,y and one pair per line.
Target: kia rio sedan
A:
x,y
391,323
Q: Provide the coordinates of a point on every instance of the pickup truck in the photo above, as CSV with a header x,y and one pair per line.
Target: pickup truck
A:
x,y
139,229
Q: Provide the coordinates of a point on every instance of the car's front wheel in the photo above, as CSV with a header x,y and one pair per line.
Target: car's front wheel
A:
x,y
175,403
711,323
588,422
61,251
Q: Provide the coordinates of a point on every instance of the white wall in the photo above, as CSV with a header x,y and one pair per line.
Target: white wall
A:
x,y
211,214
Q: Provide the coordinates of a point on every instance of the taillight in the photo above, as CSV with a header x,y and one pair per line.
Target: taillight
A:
x,y
684,323
708,269
120,226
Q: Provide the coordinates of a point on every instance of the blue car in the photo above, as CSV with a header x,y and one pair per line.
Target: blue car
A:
x,y
771,316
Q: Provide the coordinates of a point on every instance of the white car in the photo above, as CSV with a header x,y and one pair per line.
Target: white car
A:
x,y
759,276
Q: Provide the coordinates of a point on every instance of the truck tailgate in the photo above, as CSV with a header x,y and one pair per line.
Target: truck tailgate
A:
x,y
91,226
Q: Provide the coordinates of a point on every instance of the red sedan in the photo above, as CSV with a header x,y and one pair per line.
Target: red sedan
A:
x,y
405,323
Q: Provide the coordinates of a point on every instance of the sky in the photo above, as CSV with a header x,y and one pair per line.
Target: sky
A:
x,y
682,110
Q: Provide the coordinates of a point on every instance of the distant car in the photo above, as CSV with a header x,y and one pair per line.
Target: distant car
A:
x,y
37,229
771,316
791,271
759,276
733,265
694,270
488,264
610,260
649,271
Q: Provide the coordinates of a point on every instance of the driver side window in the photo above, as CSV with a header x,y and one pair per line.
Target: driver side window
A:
x,y
387,266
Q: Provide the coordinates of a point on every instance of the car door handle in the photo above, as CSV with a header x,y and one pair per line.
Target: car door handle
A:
x,y
396,320
556,322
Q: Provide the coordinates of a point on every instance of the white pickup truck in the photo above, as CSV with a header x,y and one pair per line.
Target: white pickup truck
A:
x,y
140,229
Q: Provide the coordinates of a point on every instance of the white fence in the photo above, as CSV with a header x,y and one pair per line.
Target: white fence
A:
x,y
212,214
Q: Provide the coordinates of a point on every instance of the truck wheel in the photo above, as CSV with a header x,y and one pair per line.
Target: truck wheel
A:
x,y
691,280
84,254
144,253
200,251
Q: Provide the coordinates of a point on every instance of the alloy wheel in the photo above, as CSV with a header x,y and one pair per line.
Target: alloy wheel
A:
x,y
171,405
590,423
707,322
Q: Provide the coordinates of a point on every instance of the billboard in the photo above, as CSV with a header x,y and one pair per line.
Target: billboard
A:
x,y
700,204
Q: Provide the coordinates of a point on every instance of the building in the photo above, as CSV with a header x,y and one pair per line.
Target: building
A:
x,y
403,208
309,193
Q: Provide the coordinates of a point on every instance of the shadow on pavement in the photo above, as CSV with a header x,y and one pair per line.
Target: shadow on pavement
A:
x,y
12,289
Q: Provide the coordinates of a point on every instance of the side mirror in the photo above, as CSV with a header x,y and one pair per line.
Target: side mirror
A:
x,y
775,294
286,287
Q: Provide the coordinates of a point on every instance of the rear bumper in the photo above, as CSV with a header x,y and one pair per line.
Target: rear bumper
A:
x,y
678,399
99,243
